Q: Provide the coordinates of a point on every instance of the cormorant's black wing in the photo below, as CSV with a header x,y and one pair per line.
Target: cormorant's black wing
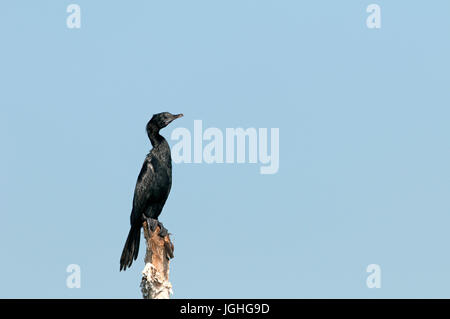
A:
x,y
143,190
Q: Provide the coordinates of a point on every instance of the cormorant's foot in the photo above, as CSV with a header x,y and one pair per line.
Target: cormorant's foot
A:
x,y
153,223
163,232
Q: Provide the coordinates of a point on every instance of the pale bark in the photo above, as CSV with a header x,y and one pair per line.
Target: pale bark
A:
x,y
155,282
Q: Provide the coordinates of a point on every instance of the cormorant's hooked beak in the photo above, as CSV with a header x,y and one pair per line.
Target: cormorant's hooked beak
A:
x,y
174,117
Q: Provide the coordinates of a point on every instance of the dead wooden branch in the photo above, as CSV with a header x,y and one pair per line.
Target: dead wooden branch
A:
x,y
155,282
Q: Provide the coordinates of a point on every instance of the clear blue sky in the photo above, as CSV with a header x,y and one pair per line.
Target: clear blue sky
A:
x,y
363,115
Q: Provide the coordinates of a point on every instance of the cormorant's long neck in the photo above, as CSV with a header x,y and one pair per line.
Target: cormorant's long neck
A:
x,y
159,142
155,138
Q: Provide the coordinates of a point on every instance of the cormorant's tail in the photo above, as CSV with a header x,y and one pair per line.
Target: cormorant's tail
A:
x,y
131,248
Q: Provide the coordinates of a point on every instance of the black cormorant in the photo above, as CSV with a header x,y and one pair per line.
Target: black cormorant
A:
x,y
152,187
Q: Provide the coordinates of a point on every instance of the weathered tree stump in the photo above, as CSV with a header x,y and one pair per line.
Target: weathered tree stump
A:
x,y
155,282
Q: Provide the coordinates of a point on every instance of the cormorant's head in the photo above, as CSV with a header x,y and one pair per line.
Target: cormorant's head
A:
x,y
161,120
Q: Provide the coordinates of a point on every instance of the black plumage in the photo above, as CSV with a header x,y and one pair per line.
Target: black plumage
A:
x,y
152,186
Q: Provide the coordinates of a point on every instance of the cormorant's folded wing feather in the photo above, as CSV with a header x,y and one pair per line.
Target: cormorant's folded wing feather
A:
x,y
142,191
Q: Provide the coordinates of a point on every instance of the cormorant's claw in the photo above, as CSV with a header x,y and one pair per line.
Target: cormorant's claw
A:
x,y
163,230
153,223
